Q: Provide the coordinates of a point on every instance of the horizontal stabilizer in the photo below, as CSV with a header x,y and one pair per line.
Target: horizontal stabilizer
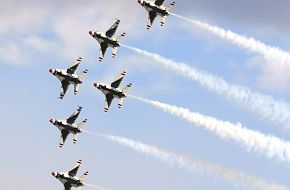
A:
x,y
126,88
121,37
83,177
75,138
114,52
82,124
169,7
83,74
163,20
120,102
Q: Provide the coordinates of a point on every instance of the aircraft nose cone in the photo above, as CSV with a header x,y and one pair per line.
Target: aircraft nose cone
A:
x,y
54,174
91,32
96,85
51,120
50,70
139,1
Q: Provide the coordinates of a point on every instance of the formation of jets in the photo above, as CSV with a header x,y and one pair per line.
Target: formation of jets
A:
x,y
69,77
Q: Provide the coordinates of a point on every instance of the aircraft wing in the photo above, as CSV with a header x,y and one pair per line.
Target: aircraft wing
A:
x,y
109,99
63,137
64,87
151,18
111,32
74,171
74,67
74,116
104,47
118,81
67,186
159,2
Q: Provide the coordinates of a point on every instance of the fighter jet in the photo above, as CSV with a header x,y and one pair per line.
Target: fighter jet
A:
x,y
113,91
154,9
69,179
67,126
108,40
68,76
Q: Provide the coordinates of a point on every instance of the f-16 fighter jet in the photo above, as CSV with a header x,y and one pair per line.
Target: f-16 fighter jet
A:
x,y
154,9
108,40
68,76
68,126
69,179
113,91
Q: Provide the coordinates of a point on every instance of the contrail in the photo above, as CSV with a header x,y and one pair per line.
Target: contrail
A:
x,y
192,165
270,146
265,106
271,54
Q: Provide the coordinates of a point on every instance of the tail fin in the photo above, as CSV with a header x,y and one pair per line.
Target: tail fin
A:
x,y
83,74
126,88
121,37
169,7
82,124
83,177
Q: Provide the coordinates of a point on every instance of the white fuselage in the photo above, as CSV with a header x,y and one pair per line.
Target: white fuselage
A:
x,y
150,6
64,178
70,78
103,38
107,89
63,125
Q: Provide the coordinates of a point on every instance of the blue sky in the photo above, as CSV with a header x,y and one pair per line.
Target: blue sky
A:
x,y
37,36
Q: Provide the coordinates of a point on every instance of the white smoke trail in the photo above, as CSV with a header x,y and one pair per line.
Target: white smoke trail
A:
x,y
270,146
94,186
191,165
271,54
264,105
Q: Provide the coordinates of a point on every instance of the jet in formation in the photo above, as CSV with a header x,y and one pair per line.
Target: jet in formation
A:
x,y
68,76
154,9
69,179
108,40
68,126
112,91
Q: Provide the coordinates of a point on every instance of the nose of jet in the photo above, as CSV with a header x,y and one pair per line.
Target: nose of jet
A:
x,y
51,121
139,1
91,33
96,85
50,70
54,174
